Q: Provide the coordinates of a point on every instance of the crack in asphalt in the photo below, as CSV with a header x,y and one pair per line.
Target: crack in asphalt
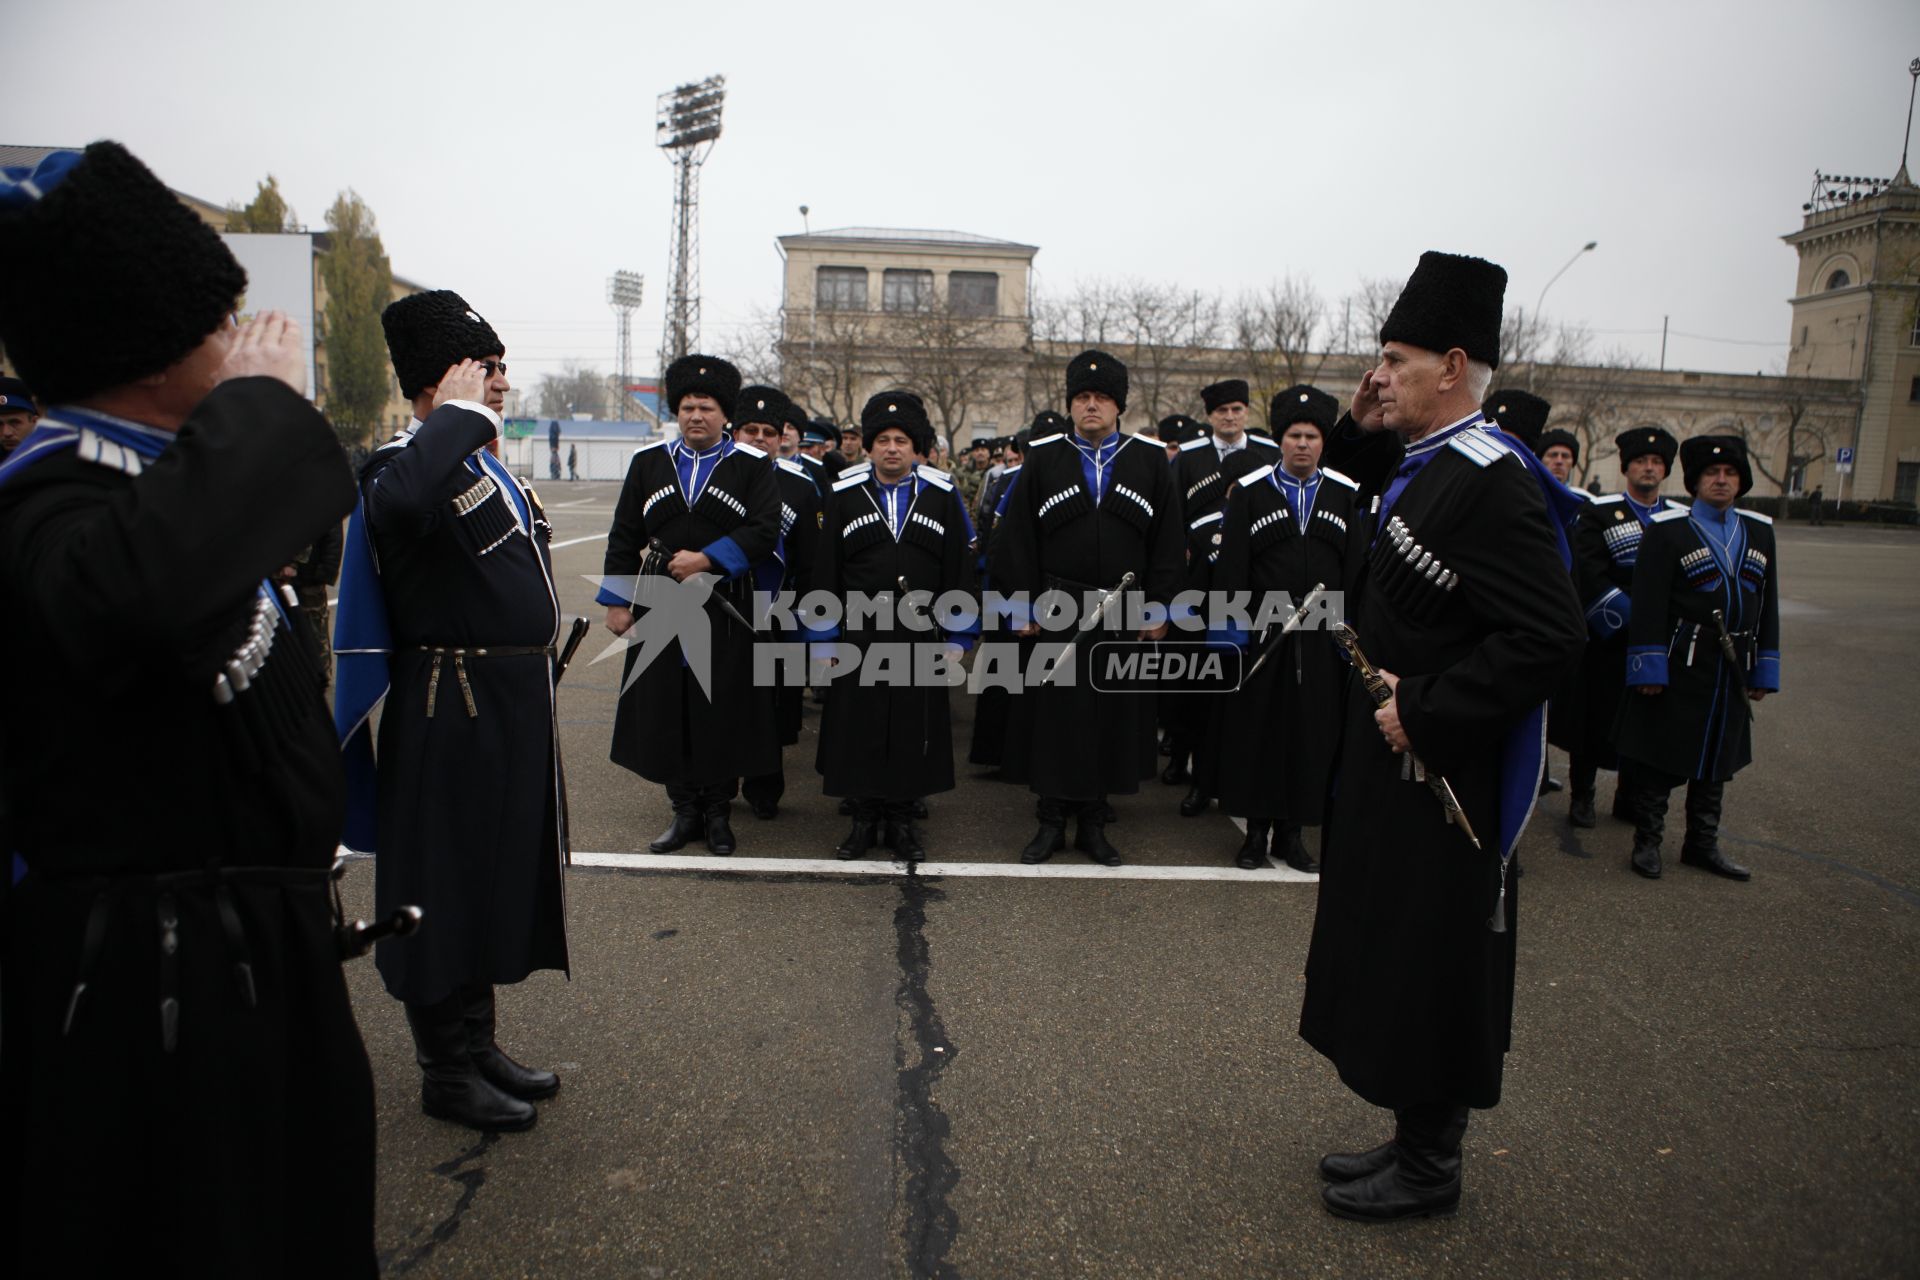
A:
x,y
921,1128
470,1181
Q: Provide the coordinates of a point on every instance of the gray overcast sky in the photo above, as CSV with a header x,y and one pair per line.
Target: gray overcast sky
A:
x,y
507,149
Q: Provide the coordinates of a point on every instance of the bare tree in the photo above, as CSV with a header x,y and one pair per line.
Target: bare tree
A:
x,y
828,361
956,363
1786,437
753,347
575,389
1363,312
1274,331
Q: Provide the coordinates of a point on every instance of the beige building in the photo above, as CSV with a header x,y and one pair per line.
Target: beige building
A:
x,y
942,313
1856,321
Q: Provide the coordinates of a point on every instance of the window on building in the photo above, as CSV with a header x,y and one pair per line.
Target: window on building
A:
x,y
1839,280
1913,338
840,288
1906,481
974,293
905,290
1913,392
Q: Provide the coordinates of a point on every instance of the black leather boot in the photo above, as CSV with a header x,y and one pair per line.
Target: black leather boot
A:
x,y
720,840
686,824
1176,771
1580,810
1253,850
1354,1165
866,821
501,1071
1701,848
903,834
1292,848
847,807
452,1087
1647,804
1421,1181
1047,841
1090,838
1195,802
919,809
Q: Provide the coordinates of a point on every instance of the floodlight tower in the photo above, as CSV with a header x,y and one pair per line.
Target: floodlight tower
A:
x,y
623,295
686,124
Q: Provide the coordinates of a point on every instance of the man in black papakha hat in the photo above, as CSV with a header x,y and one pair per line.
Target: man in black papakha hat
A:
x,y
1606,546
188,1091
1206,466
713,508
1089,507
991,706
1466,608
886,738
1703,643
467,811
758,417
1268,750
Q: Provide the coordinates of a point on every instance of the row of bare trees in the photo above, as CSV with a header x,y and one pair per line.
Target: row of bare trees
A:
x,y
1176,340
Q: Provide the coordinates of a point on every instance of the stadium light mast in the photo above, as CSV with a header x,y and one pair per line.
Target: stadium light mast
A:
x,y
623,295
687,122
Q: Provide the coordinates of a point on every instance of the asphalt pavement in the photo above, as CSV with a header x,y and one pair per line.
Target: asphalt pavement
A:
x,y
847,1071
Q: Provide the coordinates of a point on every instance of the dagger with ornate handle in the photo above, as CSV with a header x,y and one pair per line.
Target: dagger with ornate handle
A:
x,y
1382,694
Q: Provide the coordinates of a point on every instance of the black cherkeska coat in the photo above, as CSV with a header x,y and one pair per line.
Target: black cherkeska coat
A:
x,y
1269,752
1702,726
801,507
891,740
993,703
248,1149
1606,545
470,812
1408,991
665,728
1068,741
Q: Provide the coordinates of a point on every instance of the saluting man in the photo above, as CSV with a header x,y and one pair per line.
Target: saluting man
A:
x,y
885,740
1467,610
1088,507
1284,529
1703,646
1205,467
447,609
1606,546
186,1090
758,420
700,510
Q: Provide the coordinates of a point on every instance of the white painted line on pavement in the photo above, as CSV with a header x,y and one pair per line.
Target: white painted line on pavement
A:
x,y
1068,870
577,502
574,542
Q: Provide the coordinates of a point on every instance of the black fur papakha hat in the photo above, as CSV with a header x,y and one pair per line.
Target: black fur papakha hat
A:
x,y
1097,371
1450,301
1232,391
901,409
109,277
766,405
1641,441
1302,403
1520,414
1548,439
429,333
1045,423
1178,428
1697,453
697,375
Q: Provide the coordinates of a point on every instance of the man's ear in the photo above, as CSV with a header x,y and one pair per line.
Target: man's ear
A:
x,y
1453,369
